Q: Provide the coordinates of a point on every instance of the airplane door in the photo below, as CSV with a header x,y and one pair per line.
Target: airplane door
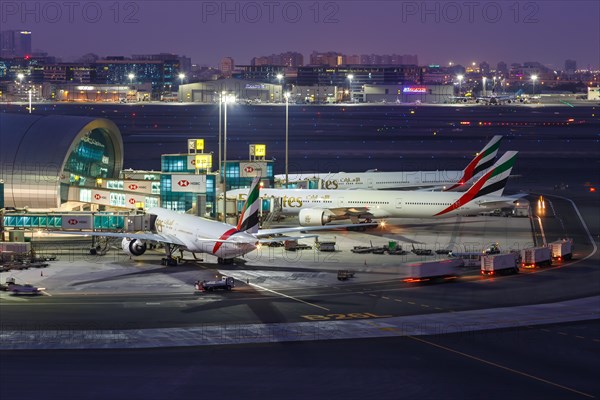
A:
x,y
341,202
370,183
399,203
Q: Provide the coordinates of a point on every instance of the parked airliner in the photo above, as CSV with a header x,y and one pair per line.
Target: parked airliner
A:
x,y
316,207
200,235
447,180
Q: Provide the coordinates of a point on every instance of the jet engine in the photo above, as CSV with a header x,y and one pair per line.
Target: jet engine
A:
x,y
133,247
314,217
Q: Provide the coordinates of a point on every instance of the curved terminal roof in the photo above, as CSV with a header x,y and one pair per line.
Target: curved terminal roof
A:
x,y
34,151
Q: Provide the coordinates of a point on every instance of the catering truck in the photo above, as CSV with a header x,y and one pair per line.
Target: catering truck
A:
x,y
499,264
562,249
536,257
424,271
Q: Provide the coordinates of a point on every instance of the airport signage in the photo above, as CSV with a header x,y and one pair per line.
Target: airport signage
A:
x,y
415,89
254,169
201,161
138,186
188,183
77,222
259,86
100,197
134,200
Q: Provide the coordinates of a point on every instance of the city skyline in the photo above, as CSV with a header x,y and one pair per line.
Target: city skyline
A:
x,y
437,32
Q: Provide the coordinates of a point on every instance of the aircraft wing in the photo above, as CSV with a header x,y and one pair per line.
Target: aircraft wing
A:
x,y
275,231
156,237
508,201
282,238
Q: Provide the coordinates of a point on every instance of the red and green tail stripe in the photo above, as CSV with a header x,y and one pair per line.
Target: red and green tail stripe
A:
x,y
474,166
485,184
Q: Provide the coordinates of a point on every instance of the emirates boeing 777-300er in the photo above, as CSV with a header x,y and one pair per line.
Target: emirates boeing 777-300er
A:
x,y
178,231
316,207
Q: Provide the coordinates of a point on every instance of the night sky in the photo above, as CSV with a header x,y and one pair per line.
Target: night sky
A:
x,y
437,31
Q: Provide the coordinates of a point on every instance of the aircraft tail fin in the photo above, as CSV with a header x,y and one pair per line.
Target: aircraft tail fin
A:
x,y
482,161
249,217
491,183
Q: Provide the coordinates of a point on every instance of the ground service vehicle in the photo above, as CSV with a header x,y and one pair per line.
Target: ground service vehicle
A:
x,y
226,283
325,246
499,264
562,249
418,272
344,274
17,289
536,257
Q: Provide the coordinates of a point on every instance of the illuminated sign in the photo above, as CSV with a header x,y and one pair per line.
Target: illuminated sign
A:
x,y
258,150
253,169
188,183
80,222
255,86
196,144
200,161
415,89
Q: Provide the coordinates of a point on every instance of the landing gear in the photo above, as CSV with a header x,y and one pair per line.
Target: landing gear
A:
x,y
360,228
226,261
170,261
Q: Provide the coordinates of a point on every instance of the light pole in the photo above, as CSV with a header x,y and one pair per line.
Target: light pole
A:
x,y
483,81
460,78
181,78
279,78
221,100
228,99
131,75
350,77
533,79
287,102
20,76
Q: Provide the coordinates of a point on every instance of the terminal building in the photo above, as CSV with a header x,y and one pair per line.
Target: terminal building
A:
x,y
54,166
43,157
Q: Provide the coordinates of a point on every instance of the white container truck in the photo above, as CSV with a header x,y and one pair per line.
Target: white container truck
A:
x,y
425,271
536,257
499,264
562,249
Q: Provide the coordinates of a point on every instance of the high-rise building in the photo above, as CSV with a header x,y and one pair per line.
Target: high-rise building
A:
x,y
330,58
484,68
227,65
570,66
502,68
163,75
14,43
289,59
185,63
